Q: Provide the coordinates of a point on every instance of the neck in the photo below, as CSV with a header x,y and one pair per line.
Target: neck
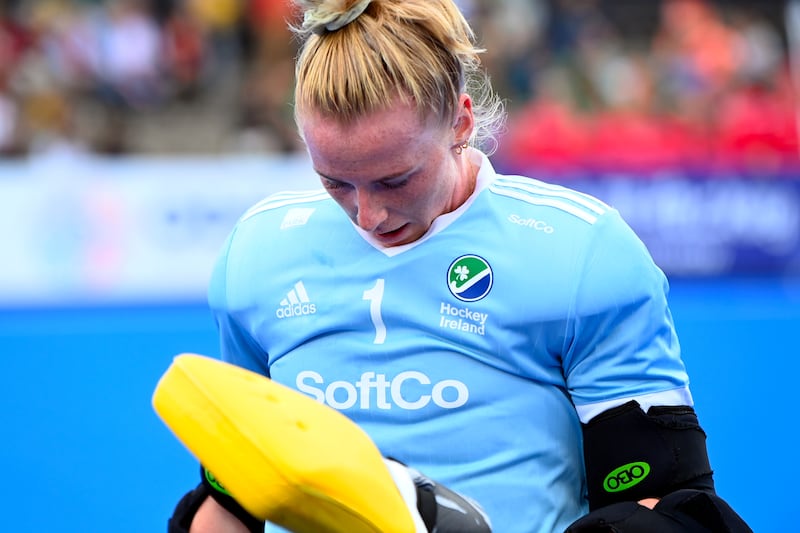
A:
x,y
467,178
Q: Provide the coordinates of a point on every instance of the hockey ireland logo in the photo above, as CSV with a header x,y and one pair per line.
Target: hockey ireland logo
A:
x,y
470,278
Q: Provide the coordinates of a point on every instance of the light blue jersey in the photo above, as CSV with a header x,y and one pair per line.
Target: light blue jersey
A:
x,y
471,354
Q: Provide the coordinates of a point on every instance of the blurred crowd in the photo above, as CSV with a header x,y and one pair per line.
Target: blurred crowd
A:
x,y
674,83
118,77
599,83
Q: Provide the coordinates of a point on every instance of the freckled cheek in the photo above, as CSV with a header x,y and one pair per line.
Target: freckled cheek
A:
x,y
400,203
426,199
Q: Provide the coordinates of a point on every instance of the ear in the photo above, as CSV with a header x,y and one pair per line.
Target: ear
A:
x,y
464,123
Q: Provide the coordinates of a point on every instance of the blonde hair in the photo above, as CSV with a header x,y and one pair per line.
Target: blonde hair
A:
x,y
358,55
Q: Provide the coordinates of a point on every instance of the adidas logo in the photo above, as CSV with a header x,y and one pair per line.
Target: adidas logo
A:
x,y
296,303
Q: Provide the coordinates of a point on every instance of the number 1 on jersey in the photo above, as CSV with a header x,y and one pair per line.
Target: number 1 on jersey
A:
x,y
375,297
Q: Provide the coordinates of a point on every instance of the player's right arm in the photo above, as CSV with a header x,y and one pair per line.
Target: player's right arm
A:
x,y
237,345
209,508
197,511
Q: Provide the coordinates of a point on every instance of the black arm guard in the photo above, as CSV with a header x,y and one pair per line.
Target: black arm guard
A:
x,y
683,511
631,455
182,516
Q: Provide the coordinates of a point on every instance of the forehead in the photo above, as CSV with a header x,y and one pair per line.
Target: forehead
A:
x,y
392,136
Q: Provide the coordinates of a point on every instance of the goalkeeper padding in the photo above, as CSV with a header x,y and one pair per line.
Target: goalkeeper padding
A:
x,y
284,457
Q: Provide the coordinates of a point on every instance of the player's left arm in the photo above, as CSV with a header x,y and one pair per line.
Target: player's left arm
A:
x,y
642,437
630,454
649,471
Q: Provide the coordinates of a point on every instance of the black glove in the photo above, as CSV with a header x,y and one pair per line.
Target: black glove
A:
x,y
682,511
182,516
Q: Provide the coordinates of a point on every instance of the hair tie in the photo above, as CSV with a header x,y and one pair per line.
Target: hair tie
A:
x,y
311,18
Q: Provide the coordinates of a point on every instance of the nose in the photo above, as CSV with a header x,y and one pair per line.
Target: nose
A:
x,y
369,211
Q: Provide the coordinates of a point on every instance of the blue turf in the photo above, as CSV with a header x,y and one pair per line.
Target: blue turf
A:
x,y
83,451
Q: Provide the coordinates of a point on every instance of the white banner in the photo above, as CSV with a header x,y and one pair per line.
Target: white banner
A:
x,y
126,230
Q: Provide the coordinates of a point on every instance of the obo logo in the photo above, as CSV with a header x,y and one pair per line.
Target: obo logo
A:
x,y
626,476
410,390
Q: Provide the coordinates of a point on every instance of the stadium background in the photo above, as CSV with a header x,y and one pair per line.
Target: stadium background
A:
x,y
133,133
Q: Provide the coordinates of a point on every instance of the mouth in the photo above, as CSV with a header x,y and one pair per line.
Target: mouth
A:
x,y
391,238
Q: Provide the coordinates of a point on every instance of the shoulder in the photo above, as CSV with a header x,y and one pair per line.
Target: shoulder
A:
x,y
286,203
561,211
268,240
283,218
549,197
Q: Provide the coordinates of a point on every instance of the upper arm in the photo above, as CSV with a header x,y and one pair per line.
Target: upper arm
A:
x,y
623,344
225,299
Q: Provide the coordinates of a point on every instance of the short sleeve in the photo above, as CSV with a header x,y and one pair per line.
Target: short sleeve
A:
x,y
622,342
237,345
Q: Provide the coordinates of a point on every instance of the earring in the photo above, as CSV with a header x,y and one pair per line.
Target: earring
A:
x,y
461,147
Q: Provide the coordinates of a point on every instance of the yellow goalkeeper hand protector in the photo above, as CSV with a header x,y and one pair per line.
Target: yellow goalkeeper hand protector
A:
x,y
286,458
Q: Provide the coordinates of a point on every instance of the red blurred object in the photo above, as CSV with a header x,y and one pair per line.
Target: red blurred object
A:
x,y
546,133
757,130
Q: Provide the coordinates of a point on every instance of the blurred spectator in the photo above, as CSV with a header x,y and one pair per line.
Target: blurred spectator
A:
x,y
607,84
10,144
126,52
516,43
695,49
15,40
185,52
219,22
265,119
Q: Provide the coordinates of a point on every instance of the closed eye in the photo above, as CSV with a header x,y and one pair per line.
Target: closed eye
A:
x,y
389,183
394,184
332,184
